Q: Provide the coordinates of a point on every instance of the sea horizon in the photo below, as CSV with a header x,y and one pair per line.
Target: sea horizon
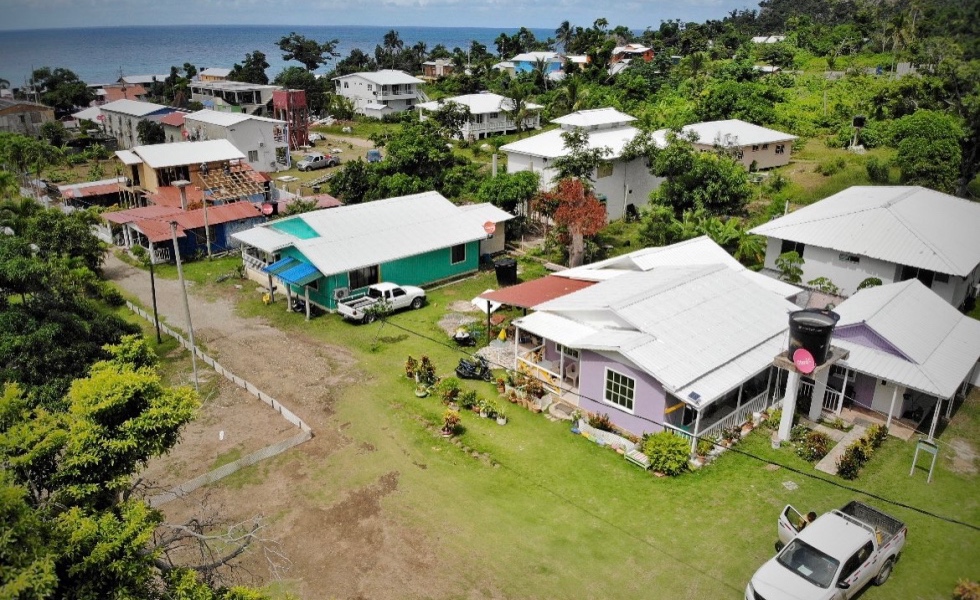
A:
x,y
99,54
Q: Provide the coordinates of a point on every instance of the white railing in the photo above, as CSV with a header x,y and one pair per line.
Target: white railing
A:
x,y
161,255
738,416
253,263
831,397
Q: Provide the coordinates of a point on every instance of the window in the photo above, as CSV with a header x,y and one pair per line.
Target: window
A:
x,y
363,277
619,390
494,115
765,146
477,118
780,148
457,254
791,246
370,87
569,352
397,293
604,170
851,258
253,156
856,561
755,147
942,278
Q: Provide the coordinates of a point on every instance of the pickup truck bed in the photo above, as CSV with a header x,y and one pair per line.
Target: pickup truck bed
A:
x,y
884,525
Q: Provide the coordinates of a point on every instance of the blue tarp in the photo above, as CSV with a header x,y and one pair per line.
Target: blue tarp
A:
x,y
301,274
280,265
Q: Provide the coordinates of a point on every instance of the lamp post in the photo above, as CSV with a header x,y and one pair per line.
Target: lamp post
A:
x,y
187,308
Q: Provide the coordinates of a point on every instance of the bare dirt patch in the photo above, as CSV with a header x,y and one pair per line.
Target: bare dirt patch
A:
x,y
964,456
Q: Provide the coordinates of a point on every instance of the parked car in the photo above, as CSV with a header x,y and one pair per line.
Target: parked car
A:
x,y
832,558
374,156
364,307
316,160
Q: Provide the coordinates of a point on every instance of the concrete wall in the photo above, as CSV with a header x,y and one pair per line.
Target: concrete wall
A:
x,y
248,136
648,403
766,156
25,119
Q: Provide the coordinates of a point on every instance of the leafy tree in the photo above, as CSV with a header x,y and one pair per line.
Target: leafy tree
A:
x,y
929,152
790,265
451,117
150,132
752,102
61,89
298,78
580,160
510,191
307,51
579,212
356,62
251,70
54,132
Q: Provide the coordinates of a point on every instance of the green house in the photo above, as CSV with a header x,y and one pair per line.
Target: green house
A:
x,y
328,254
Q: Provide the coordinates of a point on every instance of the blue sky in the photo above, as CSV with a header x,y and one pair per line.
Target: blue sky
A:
x,y
636,14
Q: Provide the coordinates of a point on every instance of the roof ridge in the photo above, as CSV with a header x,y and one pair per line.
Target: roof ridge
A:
x,y
902,197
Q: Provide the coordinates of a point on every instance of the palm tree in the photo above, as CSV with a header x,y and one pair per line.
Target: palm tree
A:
x,y
564,35
540,72
519,93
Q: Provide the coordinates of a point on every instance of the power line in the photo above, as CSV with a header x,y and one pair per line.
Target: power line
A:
x,y
837,484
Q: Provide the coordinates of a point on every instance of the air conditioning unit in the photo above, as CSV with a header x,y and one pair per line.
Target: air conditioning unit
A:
x,y
341,293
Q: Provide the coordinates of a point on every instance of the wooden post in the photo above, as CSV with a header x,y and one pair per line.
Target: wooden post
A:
x,y
187,307
307,288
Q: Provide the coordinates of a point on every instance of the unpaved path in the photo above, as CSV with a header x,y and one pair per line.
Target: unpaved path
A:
x,y
346,549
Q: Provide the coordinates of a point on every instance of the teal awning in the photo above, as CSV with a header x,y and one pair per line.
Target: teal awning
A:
x,y
280,265
301,274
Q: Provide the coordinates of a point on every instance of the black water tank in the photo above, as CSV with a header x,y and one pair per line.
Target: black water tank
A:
x,y
812,329
506,269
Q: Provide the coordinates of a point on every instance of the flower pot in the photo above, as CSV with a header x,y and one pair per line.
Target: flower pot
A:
x,y
421,393
501,420
483,414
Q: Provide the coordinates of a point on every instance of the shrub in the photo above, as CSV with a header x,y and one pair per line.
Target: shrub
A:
x,y
705,446
772,421
668,453
110,295
731,434
468,399
450,421
966,590
848,464
878,170
799,433
832,167
815,446
877,434
448,389
602,422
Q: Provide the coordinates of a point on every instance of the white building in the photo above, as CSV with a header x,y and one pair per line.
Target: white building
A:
x,y
263,141
234,96
121,119
892,233
620,182
754,146
489,114
380,93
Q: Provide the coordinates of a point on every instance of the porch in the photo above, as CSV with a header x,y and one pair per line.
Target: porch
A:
x,y
558,377
713,419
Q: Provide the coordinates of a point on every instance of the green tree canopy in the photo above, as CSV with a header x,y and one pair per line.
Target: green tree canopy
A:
x,y
510,191
61,88
307,51
251,70
929,152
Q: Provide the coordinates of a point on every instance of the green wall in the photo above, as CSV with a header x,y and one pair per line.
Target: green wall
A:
x,y
420,270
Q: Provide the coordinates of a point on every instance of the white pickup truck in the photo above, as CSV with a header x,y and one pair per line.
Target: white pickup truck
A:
x,y
364,307
832,558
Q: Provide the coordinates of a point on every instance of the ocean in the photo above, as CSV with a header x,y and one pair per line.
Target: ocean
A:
x,y
99,55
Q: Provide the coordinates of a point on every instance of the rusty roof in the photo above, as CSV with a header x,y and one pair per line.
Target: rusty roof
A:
x,y
537,291
176,119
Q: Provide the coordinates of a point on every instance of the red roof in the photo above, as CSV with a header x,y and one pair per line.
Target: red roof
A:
x,y
157,230
169,195
154,221
324,200
537,291
123,92
175,119
135,214
89,190
222,213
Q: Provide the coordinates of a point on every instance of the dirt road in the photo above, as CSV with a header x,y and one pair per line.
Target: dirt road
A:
x,y
347,549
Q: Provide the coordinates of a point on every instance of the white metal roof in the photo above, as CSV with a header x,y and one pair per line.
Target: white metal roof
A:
x,y
554,327
143,78
940,345
91,113
734,132
551,145
594,117
536,56
158,156
384,77
215,72
487,212
226,119
696,251
707,328
264,238
360,235
133,108
128,157
906,225
479,104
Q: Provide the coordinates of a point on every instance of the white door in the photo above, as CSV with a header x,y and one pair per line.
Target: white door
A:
x,y
790,524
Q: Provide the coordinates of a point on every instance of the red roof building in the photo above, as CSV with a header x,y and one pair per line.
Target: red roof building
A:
x,y
537,291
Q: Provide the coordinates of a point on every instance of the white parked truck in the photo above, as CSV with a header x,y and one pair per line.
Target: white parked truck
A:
x,y
832,558
380,298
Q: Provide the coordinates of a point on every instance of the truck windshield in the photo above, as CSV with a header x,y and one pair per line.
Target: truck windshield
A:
x,y
809,563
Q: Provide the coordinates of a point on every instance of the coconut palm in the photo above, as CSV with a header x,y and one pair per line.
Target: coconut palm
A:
x,y
564,35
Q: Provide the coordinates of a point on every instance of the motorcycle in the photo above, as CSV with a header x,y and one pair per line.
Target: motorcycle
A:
x,y
478,369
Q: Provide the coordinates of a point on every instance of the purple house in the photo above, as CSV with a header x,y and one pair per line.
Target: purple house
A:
x,y
654,346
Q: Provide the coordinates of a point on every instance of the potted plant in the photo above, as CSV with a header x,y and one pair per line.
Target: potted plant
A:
x,y
501,385
421,390
426,372
501,418
484,408
411,365
468,400
450,422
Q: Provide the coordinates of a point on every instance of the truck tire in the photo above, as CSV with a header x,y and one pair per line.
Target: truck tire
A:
x,y
885,572
416,303
369,318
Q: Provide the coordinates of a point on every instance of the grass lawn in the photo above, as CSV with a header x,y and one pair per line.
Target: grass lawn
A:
x,y
541,513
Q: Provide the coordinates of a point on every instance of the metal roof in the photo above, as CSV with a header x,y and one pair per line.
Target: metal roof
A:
x,y
360,235
555,327
264,238
536,56
134,108
940,345
227,119
594,117
91,113
215,72
906,225
531,293
384,77
92,188
479,104
175,154
551,145
280,265
174,119
735,132
301,274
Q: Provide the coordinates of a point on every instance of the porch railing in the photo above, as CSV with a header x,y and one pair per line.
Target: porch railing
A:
x,y
686,435
738,416
831,398
253,263
161,255
527,364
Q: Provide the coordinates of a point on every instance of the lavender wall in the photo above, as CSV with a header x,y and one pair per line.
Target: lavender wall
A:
x,y
861,334
864,389
648,402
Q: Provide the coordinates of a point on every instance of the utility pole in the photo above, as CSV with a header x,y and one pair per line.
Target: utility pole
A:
x,y
187,308
153,293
